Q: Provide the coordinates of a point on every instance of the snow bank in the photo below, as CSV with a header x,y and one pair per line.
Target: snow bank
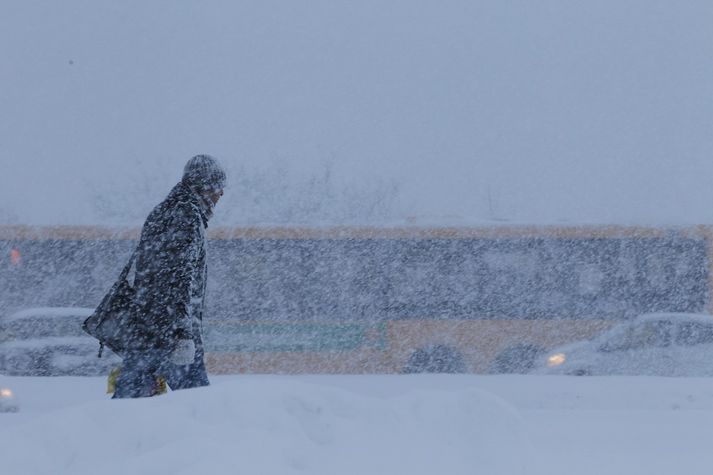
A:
x,y
367,424
274,426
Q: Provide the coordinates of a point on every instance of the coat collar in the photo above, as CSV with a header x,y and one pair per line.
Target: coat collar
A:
x,y
184,192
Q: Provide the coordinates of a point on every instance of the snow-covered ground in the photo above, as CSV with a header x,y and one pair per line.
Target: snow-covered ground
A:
x,y
419,424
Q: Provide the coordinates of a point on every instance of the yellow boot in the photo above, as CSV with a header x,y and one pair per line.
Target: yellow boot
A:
x,y
159,388
111,381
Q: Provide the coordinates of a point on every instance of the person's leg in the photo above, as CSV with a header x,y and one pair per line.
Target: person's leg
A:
x,y
193,375
137,377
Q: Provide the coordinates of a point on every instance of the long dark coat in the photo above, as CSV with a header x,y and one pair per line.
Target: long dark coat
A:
x,y
170,279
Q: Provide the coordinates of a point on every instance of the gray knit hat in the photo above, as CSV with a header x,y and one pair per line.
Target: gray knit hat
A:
x,y
204,172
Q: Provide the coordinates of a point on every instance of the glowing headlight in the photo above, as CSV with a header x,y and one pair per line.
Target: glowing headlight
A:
x,y
556,359
7,401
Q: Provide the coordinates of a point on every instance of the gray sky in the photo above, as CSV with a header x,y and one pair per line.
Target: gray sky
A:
x,y
548,111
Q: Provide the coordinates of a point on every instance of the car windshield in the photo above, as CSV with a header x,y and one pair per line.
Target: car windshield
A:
x,y
694,333
639,335
42,327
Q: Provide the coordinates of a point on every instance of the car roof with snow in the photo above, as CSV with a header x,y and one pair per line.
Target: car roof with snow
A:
x,y
50,312
676,316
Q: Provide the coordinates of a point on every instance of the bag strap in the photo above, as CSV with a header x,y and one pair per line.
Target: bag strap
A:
x,y
125,273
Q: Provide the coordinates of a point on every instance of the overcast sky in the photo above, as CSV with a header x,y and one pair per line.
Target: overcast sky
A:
x,y
541,112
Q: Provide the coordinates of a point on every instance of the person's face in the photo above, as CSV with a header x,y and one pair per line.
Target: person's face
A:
x,y
214,196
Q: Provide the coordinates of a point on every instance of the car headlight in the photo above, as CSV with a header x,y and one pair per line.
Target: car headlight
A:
x,y
7,401
556,359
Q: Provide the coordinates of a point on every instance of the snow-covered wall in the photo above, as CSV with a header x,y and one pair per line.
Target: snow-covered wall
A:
x,y
370,111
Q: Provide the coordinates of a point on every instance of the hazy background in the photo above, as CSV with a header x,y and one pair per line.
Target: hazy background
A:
x,y
363,112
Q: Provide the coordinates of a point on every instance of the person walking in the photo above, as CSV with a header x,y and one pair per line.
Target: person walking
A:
x,y
169,284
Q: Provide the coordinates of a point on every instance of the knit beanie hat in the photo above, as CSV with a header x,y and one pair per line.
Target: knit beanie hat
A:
x,y
204,173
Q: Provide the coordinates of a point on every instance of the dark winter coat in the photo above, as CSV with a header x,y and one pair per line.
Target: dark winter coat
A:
x,y
170,279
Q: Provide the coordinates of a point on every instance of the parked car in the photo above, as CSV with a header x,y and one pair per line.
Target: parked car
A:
x,y
664,344
51,342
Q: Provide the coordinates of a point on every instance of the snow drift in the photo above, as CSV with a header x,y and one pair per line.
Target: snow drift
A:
x,y
275,426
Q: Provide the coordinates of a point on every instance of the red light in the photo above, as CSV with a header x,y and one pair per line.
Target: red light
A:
x,y
15,257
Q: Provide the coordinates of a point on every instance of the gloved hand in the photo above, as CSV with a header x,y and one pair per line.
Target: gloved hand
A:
x,y
184,353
